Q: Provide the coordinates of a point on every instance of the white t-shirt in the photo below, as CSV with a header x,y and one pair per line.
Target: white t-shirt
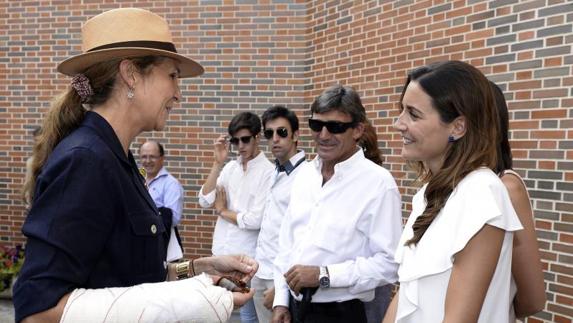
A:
x,y
425,269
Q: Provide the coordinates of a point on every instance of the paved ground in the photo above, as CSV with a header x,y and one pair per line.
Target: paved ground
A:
x,y
7,313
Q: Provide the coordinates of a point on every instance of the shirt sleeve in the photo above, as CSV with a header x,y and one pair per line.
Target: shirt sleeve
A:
x,y
251,218
383,227
173,199
75,202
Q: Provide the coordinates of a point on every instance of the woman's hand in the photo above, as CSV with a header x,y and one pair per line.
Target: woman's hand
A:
x,y
239,267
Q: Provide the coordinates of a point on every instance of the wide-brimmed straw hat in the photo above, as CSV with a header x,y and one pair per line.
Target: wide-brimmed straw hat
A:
x,y
126,32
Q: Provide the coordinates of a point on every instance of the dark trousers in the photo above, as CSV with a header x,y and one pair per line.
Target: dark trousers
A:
x,y
351,311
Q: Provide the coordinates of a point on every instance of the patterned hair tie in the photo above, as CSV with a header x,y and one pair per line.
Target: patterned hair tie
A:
x,y
81,84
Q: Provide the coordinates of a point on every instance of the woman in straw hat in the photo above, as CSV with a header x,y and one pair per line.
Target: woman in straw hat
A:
x,y
94,234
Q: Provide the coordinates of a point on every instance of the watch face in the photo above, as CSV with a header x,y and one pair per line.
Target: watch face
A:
x,y
324,282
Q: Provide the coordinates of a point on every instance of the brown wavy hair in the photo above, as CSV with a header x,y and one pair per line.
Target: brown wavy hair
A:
x,y
457,89
66,112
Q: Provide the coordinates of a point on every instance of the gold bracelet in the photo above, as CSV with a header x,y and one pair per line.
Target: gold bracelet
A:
x,y
182,270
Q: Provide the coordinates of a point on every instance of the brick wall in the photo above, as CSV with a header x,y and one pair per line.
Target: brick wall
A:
x,y
260,53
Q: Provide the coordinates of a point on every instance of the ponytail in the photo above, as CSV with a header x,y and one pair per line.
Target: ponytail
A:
x,y
65,115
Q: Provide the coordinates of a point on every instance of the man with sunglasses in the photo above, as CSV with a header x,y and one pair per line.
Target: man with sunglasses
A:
x,y
281,130
337,239
237,190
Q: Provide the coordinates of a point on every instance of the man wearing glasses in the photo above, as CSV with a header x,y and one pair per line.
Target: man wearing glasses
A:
x,y
237,190
166,191
339,234
281,130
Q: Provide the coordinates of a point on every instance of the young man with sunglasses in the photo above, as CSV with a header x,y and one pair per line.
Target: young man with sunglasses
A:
x,y
281,130
237,190
337,239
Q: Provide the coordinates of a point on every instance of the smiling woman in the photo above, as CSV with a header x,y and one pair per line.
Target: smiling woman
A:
x,y
455,250
93,230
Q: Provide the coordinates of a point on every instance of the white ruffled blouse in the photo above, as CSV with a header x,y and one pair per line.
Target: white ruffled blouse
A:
x,y
425,269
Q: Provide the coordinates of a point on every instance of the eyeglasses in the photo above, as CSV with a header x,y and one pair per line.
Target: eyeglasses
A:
x,y
243,139
333,127
152,157
281,131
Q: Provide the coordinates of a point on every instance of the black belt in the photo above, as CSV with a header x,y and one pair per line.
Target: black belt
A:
x,y
347,311
330,306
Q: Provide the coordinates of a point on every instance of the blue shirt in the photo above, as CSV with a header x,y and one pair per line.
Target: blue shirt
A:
x,y
167,192
92,223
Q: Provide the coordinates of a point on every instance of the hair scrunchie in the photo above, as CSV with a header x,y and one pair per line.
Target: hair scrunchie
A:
x,y
81,85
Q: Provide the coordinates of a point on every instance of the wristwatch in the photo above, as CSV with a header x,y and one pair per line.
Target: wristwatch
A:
x,y
323,277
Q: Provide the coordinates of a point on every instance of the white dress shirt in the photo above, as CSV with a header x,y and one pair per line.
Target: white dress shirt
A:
x,y
246,193
275,208
425,269
351,224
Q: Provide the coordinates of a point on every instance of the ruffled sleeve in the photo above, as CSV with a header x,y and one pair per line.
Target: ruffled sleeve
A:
x,y
479,199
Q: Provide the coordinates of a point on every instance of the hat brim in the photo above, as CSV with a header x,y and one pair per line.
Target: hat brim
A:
x,y
79,63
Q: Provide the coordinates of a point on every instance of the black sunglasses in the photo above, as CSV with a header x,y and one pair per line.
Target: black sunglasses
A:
x,y
332,126
281,131
243,139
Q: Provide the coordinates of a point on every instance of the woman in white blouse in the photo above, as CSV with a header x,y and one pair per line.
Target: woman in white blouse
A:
x,y
455,251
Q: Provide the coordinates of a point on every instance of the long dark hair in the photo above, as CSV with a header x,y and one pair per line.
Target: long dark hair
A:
x,y
457,89
504,149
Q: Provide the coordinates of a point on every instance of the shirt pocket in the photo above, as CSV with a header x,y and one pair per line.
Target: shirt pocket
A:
x,y
148,248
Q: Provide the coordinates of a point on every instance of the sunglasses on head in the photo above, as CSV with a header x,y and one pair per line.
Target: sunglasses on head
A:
x,y
243,139
332,126
281,131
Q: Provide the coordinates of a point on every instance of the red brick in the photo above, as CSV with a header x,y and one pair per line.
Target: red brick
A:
x,y
372,53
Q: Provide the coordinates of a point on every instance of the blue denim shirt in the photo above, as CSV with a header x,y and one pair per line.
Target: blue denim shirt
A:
x,y
92,223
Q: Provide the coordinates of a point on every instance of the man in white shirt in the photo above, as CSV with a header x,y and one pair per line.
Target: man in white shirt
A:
x,y
281,130
343,223
238,191
166,191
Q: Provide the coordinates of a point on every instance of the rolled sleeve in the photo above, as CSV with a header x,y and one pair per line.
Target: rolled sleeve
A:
x,y
207,200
